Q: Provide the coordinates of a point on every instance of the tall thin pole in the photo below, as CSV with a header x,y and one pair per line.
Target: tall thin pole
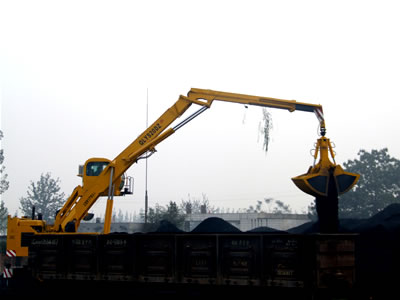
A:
x,y
146,197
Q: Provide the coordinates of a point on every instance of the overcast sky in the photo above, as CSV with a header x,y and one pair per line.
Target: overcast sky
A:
x,y
74,76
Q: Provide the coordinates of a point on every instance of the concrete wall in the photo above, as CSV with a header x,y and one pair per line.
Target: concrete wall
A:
x,y
115,227
248,221
243,221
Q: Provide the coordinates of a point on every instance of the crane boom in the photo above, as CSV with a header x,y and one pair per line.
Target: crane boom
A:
x,y
290,105
76,207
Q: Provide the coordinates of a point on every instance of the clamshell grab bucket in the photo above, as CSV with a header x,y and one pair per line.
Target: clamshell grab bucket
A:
x,y
317,184
316,181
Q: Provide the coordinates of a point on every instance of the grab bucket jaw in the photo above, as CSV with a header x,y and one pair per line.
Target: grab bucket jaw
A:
x,y
317,184
316,181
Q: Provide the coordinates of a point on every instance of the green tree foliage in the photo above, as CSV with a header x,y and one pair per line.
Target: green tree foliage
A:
x,y
3,187
174,215
312,211
271,206
170,213
3,217
3,176
45,195
281,208
195,205
379,184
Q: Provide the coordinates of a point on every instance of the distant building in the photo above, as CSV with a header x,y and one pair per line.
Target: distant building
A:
x,y
249,221
243,221
115,227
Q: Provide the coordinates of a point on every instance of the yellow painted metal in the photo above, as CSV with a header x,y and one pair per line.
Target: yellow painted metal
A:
x,y
15,228
89,179
83,197
316,181
108,216
206,97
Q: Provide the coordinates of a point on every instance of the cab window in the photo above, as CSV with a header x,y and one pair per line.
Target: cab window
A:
x,y
95,168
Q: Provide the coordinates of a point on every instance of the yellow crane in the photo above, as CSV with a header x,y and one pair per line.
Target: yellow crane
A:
x,y
104,177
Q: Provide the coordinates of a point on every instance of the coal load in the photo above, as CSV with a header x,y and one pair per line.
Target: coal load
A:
x,y
266,229
309,227
167,227
387,220
345,226
215,225
378,249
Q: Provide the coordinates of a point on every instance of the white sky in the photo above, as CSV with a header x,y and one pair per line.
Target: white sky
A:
x,y
74,76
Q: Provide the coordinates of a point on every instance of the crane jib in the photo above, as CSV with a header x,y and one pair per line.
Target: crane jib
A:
x,y
303,107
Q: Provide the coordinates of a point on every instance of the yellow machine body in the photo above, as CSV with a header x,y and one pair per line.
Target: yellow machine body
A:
x,y
92,168
16,227
316,181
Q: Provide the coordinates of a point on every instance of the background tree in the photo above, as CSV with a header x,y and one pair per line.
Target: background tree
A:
x,y
3,176
120,217
170,213
281,208
155,215
379,184
271,206
312,211
195,205
174,215
45,195
3,187
3,217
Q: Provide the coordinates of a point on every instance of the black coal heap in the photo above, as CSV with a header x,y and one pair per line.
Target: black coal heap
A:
x,y
215,225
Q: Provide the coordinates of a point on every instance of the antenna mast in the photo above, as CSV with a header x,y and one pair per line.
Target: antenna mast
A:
x,y
146,197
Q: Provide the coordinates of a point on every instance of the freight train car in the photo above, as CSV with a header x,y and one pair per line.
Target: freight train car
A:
x,y
259,261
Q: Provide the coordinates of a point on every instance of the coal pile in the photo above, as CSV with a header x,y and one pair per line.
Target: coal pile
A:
x,y
345,226
266,229
377,248
387,220
215,225
166,226
377,252
309,227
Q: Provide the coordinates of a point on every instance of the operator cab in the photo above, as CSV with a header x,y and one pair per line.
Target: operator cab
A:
x,y
93,167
